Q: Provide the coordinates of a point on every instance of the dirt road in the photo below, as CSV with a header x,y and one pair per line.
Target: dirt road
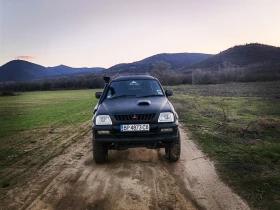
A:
x,y
132,179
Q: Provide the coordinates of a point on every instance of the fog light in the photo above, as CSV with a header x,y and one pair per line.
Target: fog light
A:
x,y
103,132
167,130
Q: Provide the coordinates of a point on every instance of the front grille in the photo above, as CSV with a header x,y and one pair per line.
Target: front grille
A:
x,y
127,117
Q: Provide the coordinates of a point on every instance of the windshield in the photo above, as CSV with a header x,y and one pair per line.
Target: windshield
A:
x,y
134,88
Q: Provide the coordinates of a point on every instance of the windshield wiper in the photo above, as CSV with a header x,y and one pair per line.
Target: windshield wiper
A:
x,y
122,96
152,95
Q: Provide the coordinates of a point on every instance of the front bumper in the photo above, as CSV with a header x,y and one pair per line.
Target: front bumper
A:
x,y
155,135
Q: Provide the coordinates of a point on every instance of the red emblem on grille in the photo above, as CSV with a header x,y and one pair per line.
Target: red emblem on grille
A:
x,y
134,117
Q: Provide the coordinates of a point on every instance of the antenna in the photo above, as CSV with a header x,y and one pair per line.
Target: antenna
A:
x,y
116,73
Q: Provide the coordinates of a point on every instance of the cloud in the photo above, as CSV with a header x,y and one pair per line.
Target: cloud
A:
x,y
26,57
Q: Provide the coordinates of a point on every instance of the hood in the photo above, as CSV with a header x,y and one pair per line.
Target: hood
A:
x,y
134,106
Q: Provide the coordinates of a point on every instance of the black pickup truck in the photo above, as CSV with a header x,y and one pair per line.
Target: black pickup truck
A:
x,y
134,111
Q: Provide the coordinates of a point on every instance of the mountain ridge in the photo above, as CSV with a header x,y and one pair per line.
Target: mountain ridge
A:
x,y
242,55
248,59
21,70
176,60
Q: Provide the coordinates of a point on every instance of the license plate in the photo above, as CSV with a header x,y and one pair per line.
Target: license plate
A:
x,y
135,127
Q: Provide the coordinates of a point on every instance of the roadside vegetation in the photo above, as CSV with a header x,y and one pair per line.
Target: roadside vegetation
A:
x,y
38,126
238,126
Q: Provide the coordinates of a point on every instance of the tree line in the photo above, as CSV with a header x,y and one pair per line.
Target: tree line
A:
x,y
227,72
161,70
79,82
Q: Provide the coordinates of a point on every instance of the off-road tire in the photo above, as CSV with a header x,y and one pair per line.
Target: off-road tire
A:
x,y
100,152
173,150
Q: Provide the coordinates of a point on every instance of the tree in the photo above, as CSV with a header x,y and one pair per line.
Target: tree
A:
x,y
161,70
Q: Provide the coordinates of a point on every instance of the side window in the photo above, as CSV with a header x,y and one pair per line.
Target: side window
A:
x,y
156,88
111,92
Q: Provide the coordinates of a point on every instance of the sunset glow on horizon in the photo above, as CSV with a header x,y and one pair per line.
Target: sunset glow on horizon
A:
x,y
25,57
102,33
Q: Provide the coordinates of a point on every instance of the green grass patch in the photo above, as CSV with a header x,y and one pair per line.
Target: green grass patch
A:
x,y
34,123
30,110
239,128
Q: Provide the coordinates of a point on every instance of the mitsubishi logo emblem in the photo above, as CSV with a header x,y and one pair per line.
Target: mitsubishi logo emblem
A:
x,y
134,117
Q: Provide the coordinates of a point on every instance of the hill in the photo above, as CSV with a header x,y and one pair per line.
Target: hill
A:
x,y
20,70
176,60
246,63
242,55
63,70
250,62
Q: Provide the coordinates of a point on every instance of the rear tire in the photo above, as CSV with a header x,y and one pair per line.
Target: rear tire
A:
x,y
100,152
173,150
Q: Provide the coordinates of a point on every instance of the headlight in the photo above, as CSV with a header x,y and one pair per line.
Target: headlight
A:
x,y
103,120
166,117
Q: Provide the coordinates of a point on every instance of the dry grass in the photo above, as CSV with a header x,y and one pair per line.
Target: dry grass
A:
x,y
240,133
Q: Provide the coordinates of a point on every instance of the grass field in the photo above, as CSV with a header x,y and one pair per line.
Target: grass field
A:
x,y
40,109
238,126
35,127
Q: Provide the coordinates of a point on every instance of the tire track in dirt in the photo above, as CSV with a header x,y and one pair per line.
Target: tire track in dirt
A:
x,y
197,173
132,179
126,182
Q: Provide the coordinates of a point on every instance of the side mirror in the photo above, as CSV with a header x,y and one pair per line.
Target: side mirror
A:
x,y
169,92
98,94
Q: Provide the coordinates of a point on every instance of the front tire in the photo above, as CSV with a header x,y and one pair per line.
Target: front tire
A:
x,y
173,150
100,152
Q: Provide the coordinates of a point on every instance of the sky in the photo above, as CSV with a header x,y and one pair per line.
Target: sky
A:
x,y
102,33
